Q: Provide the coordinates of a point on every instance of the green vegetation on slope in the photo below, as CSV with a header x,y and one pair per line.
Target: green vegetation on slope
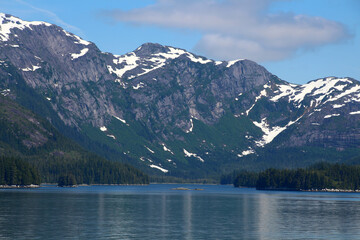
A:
x,y
38,143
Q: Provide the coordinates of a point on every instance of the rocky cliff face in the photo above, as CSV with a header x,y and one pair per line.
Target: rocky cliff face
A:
x,y
171,111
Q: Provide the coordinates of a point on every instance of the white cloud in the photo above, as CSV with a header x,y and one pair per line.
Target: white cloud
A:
x,y
234,29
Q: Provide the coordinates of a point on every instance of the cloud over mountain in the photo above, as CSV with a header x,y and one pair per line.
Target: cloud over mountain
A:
x,y
238,28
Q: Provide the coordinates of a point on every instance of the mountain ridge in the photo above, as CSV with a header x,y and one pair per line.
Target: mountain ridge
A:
x,y
172,112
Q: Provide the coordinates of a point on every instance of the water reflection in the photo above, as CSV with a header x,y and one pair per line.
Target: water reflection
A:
x,y
113,213
188,216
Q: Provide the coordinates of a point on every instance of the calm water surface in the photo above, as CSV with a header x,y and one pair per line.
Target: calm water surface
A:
x,y
158,212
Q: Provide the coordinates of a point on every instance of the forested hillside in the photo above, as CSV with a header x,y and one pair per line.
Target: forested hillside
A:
x,y
34,151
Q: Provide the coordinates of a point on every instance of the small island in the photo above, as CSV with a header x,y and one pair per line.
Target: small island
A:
x,y
187,189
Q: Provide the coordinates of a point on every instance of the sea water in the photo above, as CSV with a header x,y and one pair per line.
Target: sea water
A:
x,y
158,211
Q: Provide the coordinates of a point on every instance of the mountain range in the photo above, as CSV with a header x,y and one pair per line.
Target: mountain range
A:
x,y
171,112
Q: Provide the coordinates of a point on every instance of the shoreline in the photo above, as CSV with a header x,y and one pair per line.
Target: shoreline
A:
x,y
332,190
19,186
56,185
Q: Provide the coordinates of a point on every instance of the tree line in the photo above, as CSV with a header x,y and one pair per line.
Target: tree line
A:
x,y
316,177
88,169
14,171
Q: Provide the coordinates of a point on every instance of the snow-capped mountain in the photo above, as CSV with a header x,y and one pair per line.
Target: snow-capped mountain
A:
x,y
172,112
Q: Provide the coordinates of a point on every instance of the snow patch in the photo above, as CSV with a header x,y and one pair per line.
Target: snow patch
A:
x,y
345,93
332,115
5,92
10,22
198,59
130,60
167,149
285,90
77,55
191,127
103,129
121,120
270,133
159,168
78,40
149,150
111,136
139,85
230,63
338,105
32,68
263,93
320,88
189,154
353,113
246,152
155,61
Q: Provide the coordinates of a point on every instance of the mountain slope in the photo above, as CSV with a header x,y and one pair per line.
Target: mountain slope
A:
x,y
26,136
172,112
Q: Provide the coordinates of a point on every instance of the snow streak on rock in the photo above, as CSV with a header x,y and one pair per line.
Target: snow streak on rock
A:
x,y
159,168
167,149
332,115
263,93
149,150
189,154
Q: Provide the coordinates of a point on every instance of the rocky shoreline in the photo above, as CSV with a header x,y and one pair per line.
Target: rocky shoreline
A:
x,y
19,186
311,190
332,190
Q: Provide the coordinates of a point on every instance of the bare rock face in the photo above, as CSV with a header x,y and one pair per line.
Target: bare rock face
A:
x,y
161,95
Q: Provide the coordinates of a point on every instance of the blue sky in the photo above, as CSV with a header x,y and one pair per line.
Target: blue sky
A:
x,y
297,40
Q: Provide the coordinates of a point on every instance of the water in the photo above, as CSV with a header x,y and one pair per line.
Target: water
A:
x,y
157,212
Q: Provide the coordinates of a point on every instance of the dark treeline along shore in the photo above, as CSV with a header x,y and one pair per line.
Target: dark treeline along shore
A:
x,y
87,170
14,171
314,178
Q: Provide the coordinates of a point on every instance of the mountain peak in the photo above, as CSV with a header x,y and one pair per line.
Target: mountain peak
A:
x,y
147,49
9,22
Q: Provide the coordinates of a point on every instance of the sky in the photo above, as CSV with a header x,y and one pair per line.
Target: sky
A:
x,y
297,40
